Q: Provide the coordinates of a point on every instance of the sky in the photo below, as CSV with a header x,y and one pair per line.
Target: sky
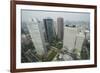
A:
x,y
27,15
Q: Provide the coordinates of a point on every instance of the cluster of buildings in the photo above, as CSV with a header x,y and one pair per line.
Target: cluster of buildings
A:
x,y
43,33
75,36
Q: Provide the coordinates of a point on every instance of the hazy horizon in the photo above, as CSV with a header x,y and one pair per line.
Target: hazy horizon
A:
x,y
26,15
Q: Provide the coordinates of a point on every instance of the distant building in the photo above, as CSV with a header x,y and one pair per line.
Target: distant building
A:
x,y
36,32
87,34
73,39
49,28
70,34
79,41
60,32
84,27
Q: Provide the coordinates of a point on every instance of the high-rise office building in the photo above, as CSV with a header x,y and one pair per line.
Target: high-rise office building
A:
x,y
35,30
48,23
60,32
79,41
73,39
70,34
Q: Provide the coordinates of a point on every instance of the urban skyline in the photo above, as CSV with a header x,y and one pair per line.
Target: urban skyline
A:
x,y
54,40
40,14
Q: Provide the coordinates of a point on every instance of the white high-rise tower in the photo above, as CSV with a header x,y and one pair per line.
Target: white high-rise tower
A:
x,y
69,38
36,33
73,39
79,41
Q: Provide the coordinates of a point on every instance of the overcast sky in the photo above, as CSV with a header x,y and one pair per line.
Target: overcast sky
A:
x,y
68,16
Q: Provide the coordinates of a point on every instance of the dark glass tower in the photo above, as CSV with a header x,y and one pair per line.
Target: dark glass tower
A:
x,y
48,23
60,23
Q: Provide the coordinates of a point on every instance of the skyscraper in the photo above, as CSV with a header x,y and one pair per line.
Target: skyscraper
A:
x,y
79,41
36,33
48,23
73,39
60,23
70,34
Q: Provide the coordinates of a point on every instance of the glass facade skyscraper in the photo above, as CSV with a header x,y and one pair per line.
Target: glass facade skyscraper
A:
x,y
48,23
